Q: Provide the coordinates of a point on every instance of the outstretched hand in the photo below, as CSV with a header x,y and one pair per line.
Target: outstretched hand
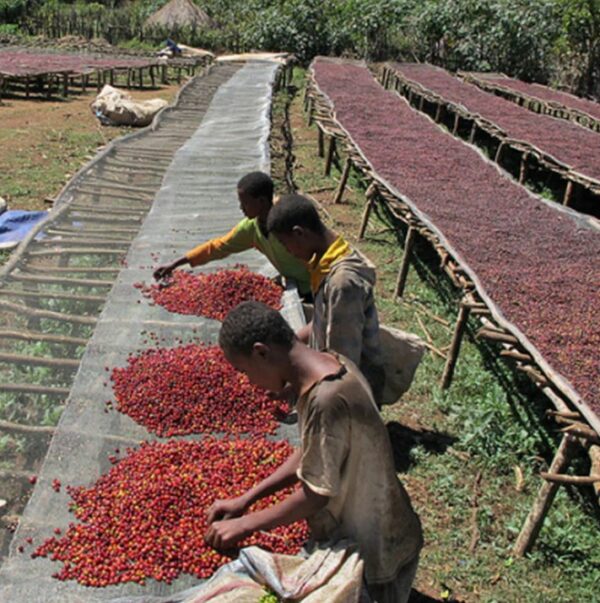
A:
x,y
225,509
227,533
163,272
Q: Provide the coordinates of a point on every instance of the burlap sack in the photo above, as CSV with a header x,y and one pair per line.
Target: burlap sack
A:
x,y
117,108
402,353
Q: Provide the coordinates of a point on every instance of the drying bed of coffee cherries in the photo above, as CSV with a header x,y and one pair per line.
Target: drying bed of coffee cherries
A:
x,y
213,294
546,94
538,264
566,141
146,517
192,389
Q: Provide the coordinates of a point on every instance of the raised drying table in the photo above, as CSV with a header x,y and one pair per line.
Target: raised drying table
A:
x,y
565,150
535,295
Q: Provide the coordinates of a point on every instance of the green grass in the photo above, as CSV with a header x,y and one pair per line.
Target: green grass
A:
x,y
4,255
29,180
488,423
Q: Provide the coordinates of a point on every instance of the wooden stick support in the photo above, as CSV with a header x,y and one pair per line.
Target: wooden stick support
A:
x,y
594,453
41,295
37,336
582,431
459,329
568,193
535,375
320,141
499,152
42,429
497,336
455,126
473,130
572,480
20,309
310,110
516,355
370,194
535,519
339,193
403,271
34,388
330,154
387,78
566,414
523,168
40,361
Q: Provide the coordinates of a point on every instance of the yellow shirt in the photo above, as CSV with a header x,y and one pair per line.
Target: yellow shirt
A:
x,y
248,235
319,268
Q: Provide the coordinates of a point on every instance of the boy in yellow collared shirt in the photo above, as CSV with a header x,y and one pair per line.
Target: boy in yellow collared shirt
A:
x,y
345,317
255,192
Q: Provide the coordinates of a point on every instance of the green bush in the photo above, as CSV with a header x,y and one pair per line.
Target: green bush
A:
x,y
12,10
9,29
541,40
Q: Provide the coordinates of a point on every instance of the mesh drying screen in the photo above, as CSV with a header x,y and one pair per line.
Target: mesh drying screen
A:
x,y
196,200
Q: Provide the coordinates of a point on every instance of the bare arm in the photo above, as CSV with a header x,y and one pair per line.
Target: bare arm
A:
x,y
283,476
165,270
301,504
238,239
303,333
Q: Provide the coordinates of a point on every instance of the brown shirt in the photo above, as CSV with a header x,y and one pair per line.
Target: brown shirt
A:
x,y
347,456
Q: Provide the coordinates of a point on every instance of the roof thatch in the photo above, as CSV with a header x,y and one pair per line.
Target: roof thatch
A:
x,y
179,13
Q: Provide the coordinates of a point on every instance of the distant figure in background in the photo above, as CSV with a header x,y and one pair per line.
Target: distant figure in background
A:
x,y
255,193
345,317
172,46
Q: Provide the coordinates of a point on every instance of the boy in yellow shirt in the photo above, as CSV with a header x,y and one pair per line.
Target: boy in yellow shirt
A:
x,y
345,317
255,192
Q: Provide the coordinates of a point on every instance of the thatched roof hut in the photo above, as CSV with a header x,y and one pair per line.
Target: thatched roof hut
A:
x,y
177,14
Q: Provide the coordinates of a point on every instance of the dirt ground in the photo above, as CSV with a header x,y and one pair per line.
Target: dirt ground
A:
x,y
44,142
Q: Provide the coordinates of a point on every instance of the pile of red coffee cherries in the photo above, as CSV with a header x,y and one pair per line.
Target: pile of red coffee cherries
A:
x,y
192,389
212,295
146,517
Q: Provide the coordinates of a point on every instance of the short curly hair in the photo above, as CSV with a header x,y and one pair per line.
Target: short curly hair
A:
x,y
252,322
293,210
257,185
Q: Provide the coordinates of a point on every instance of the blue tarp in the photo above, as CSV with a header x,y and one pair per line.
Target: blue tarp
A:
x,y
15,224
